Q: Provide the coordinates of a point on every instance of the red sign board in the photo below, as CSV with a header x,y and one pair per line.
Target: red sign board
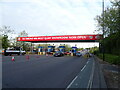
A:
x,y
59,38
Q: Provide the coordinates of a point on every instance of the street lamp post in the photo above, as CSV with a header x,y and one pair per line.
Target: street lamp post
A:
x,y
103,31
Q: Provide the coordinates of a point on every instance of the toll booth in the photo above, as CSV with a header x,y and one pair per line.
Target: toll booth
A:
x,y
40,50
51,49
62,48
74,50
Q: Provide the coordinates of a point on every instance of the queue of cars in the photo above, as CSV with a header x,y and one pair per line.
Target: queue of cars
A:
x,y
59,53
78,54
67,53
19,51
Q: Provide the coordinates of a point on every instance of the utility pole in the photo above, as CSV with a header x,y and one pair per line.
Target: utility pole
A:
x,y
103,31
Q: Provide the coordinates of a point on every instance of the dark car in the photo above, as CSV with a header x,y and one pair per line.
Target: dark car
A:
x,y
78,54
58,53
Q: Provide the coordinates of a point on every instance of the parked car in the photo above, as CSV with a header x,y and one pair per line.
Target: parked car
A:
x,y
67,53
58,53
78,54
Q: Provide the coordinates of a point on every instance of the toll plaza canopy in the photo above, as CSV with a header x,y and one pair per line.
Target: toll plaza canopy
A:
x,y
61,38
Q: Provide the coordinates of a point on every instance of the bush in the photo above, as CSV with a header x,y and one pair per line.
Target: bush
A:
x,y
96,52
112,59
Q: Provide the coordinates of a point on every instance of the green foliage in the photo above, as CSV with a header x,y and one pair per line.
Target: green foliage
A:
x,y
67,47
113,59
94,50
0,42
25,45
79,49
111,20
5,30
112,44
4,33
111,27
23,34
5,42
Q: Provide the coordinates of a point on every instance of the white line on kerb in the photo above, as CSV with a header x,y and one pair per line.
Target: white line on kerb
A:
x,y
72,82
83,68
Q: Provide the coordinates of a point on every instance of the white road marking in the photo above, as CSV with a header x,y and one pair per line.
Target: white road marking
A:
x,y
77,76
72,82
91,77
83,68
87,62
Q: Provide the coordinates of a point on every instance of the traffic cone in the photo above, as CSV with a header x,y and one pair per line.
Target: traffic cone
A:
x,y
13,58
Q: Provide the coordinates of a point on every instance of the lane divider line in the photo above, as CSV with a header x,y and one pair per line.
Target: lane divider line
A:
x,y
76,76
71,82
83,68
89,86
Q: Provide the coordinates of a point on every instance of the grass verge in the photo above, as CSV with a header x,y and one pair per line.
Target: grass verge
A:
x,y
112,59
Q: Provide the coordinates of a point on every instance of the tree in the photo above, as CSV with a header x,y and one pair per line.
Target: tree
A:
x,y
111,28
111,19
5,42
67,47
5,30
4,33
24,45
79,49
23,34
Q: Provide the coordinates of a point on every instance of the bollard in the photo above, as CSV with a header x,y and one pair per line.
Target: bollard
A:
x,y
13,58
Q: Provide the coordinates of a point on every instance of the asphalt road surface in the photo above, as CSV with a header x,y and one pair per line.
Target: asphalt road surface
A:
x,y
49,72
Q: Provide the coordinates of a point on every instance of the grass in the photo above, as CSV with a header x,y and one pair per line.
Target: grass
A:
x,y
112,59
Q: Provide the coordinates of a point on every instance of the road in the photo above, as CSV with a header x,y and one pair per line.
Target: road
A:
x,y
48,72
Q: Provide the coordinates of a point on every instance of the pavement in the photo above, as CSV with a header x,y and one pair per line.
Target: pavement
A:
x,y
108,66
111,74
99,80
51,72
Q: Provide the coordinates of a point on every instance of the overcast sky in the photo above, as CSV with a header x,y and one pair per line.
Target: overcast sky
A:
x,y
51,17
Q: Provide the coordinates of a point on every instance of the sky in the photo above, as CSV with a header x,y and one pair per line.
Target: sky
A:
x,y
51,17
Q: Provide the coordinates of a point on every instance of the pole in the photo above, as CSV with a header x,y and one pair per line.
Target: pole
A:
x,y
103,31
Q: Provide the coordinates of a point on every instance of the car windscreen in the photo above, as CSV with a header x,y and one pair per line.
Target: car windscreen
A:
x,y
57,52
